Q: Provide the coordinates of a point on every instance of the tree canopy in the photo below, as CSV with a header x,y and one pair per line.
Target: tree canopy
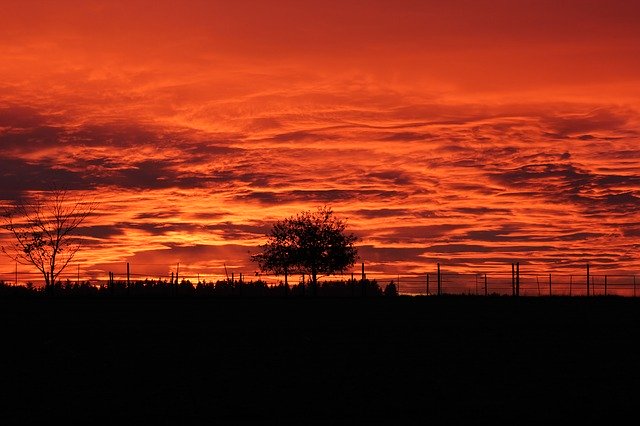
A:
x,y
311,242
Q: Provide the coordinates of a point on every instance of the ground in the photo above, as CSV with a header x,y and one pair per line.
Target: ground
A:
x,y
403,360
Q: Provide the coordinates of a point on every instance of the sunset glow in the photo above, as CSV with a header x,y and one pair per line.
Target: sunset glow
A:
x,y
471,133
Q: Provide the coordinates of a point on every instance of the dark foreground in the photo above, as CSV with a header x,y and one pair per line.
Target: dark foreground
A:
x,y
330,361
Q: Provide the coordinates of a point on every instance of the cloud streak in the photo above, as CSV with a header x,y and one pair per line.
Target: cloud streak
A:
x,y
457,141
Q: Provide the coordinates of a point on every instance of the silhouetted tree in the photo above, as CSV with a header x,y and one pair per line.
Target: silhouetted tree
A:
x,y
310,242
43,228
391,289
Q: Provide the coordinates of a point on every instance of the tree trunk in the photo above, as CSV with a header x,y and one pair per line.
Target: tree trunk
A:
x,y
314,280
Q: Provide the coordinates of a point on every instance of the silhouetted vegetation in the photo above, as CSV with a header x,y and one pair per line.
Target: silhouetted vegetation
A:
x,y
308,243
42,228
220,288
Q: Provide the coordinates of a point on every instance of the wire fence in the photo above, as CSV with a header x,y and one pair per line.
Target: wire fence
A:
x,y
430,283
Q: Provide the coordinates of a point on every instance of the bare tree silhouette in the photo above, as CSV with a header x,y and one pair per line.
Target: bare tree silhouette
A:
x,y
310,242
42,227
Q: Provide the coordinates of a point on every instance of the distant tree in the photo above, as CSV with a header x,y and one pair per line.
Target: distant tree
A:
x,y
309,242
42,228
391,289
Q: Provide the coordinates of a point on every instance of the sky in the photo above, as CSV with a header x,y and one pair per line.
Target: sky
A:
x,y
470,133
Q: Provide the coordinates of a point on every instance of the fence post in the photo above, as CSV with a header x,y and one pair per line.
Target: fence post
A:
x,y
518,279
588,273
363,285
427,284
570,284
513,279
486,288
128,275
352,285
605,285
439,281
550,285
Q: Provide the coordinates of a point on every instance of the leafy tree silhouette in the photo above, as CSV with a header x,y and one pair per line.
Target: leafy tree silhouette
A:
x,y
43,228
311,243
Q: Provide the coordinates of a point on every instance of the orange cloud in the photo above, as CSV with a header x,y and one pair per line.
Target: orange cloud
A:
x,y
471,133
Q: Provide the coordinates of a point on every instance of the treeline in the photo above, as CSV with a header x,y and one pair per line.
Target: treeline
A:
x,y
221,288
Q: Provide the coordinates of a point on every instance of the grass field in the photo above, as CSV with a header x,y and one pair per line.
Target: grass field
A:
x,y
403,360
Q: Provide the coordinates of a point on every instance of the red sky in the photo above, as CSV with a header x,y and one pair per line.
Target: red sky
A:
x,y
474,133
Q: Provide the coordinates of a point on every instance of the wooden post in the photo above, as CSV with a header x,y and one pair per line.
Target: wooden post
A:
x,y
486,287
513,279
570,284
550,285
518,279
363,285
128,275
352,285
588,273
427,284
605,285
439,281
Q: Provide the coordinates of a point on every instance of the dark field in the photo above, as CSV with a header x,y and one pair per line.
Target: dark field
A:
x,y
332,361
